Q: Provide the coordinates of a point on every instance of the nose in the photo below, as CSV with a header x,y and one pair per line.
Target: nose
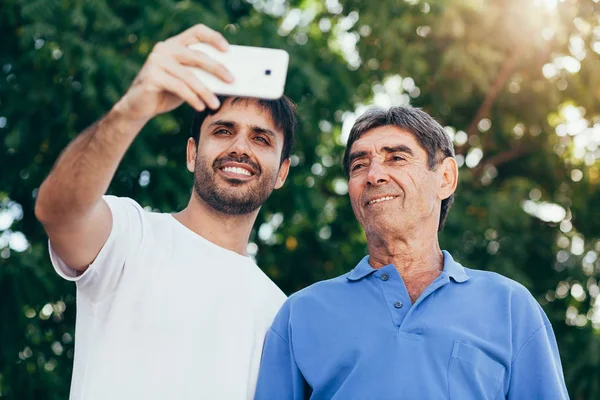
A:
x,y
240,146
377,174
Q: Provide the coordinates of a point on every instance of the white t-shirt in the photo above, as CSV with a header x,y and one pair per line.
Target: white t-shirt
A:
x,y
163,313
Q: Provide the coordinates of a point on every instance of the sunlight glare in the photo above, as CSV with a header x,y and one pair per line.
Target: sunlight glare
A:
x,y
549,4
549,212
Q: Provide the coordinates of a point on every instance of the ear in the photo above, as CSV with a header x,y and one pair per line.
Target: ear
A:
x,y
283,173
191,152
449,178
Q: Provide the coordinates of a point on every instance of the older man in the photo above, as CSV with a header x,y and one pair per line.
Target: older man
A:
x,y
408,322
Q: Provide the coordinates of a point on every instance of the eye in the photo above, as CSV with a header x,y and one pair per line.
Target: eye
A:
x,y
356,167
222,132
262,139
398,158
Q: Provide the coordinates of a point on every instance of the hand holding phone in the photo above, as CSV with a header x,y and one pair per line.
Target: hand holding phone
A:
x,y
257,71
164,82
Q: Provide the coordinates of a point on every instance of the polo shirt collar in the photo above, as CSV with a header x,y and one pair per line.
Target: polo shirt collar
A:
x,y
451,268
362,269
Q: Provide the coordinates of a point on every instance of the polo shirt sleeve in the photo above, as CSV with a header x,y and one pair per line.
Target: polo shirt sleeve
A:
x,y
536,370
279,377
102,276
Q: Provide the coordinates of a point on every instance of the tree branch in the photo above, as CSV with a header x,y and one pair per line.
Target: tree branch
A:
x,y
506,71
502,158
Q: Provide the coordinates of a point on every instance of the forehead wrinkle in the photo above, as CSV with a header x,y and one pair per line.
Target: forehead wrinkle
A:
x,y
261,106
385,149
389,134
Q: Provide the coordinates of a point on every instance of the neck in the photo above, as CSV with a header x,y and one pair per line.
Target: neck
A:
x,y
230,232
412,256
419,262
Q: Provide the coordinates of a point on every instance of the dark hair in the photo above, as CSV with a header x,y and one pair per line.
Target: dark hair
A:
x,y
283,113
428,132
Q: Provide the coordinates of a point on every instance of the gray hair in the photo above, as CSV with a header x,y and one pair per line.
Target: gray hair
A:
x,y
428,132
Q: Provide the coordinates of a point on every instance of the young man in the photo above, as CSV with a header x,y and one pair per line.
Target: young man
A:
x,y
408,322
170,306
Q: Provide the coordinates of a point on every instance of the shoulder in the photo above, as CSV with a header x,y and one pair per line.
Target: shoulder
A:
x,y
116,201
496,283
510,296
512,302
320,291
129,213
125,210
309,299
479,284
154,231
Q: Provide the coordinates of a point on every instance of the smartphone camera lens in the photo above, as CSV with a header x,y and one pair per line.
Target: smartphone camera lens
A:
x,y
268,72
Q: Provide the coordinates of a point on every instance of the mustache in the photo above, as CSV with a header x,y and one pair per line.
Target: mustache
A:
x,y
218,163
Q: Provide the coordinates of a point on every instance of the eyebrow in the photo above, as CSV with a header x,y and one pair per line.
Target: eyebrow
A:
x,y
235,125
356,155
387,149
401,148
221,122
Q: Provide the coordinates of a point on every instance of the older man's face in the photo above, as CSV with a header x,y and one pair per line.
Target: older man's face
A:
x,y
390,187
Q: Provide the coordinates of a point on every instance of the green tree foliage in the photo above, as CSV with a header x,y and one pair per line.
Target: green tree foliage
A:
x,y
516,83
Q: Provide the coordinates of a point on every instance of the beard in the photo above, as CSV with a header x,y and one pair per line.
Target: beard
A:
x,y
239,197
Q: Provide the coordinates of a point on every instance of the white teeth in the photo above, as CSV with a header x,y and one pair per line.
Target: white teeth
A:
x,y
381,199
237,170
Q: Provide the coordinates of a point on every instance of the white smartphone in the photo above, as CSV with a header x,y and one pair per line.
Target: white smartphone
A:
x,y
258,71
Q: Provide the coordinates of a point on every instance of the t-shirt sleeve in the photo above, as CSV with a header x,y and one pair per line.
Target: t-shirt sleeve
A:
x,y
102,276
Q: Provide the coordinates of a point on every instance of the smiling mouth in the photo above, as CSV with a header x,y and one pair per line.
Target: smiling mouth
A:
x,y
237,170
381,199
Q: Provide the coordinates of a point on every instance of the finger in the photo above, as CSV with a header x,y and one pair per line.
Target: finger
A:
x,y
198,59
175,86
186,76
201,33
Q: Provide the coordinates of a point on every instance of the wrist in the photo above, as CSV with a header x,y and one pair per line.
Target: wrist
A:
x,y
122,121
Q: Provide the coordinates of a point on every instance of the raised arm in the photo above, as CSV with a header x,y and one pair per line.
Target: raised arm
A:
x,y
69,202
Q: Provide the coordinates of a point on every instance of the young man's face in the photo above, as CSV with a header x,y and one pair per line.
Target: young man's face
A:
x,y
236,164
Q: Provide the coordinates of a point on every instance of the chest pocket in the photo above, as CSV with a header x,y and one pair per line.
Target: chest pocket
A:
x,y
473,375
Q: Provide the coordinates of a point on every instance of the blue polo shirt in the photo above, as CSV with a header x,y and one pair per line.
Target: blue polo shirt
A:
x,y
470,335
